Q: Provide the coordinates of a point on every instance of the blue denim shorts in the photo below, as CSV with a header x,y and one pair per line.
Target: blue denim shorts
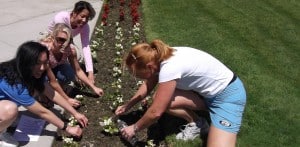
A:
x,y
226,108
64,73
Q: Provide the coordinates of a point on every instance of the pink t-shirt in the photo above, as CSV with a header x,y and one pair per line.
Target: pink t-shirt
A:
x,y
84,31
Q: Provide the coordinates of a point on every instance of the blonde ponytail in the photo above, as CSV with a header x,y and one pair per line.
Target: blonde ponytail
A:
x,y
143,53
163,50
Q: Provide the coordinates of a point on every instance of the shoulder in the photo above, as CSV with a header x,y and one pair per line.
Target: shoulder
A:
x,y
71,49
184,49
17,93
47,42
3,83
63,14
16,88
62,17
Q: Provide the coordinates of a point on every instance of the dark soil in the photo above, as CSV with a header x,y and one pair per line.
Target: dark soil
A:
x,y
96,108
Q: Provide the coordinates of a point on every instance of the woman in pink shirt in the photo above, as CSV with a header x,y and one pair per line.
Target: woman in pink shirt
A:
x,y
77,20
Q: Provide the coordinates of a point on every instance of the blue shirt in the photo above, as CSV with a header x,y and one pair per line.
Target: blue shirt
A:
x,y
18,94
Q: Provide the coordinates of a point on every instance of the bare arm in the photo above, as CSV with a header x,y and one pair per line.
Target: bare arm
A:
x,y
91,76
161,101
141,93
57,98
50,117
56,86
81,75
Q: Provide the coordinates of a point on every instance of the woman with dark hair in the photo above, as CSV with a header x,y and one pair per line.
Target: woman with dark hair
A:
x,y
77,20
21,80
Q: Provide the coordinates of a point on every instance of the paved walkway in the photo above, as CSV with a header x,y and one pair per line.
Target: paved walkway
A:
x,y
22,20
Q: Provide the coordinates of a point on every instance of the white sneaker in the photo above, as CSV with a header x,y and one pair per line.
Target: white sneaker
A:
x,y
192,130
6,140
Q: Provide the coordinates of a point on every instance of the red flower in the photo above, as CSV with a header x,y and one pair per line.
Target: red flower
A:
x,y
122,14
122,2
135,18
104,16
106,8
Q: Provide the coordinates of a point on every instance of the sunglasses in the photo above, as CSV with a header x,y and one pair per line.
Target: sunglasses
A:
x,y
60,39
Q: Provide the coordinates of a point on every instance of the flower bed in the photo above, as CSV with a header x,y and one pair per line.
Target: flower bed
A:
x,y
119,27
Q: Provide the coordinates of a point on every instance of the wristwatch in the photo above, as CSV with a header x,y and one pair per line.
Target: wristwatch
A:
x,y
65,126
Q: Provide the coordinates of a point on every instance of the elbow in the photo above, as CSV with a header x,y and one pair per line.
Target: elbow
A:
x,y
157,116
155,113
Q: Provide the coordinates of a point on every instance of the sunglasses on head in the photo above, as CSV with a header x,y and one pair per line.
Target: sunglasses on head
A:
x,y
60,39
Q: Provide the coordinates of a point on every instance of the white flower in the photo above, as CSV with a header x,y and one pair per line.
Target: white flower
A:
x,y
107,121
119,29
119,71
139,83
133,43
68,140
102,32
119,80
94,54
114,103
150,143
136,29
136,34
118,37
119,86
115,68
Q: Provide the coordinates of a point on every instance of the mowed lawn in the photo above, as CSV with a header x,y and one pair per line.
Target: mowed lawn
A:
x,y
259,40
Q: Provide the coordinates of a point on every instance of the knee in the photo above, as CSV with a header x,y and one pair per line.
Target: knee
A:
x,y
63,77
9,110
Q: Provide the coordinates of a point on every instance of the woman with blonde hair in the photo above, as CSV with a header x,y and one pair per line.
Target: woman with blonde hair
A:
x,y
186,79
63,61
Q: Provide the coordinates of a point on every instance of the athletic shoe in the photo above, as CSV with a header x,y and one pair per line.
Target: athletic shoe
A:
x,y
192,130
6,140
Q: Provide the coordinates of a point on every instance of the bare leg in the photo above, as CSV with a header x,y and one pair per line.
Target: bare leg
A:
x,y
186,114
220,138
183,104
8,113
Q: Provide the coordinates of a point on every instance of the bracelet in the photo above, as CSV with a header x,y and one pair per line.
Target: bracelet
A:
x,y
135,128
65,126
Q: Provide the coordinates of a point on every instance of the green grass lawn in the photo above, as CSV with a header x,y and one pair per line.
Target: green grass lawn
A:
x,y
259,40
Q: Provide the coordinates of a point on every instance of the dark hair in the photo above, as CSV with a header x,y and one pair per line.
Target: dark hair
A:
x,y
81,5
19,69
